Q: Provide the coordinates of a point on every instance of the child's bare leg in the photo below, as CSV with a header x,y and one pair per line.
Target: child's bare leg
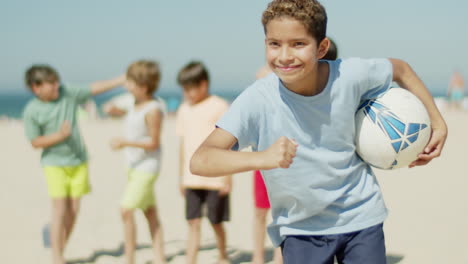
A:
x,y
129,234
259,236
151,215
278,256
73,207
193,241
59,208
221,242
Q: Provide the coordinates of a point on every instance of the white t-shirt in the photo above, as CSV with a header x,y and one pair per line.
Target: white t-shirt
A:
x,y
136,130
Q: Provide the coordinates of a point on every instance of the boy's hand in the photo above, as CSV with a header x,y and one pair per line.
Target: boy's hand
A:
x,y
117,143
280,154
225,190
65,129
433,148
108,108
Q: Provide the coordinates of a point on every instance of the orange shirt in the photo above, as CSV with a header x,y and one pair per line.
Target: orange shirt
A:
x,y
193,125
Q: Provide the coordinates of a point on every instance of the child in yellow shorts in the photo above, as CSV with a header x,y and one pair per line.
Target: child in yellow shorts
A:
x,y
142,143
70,181
50,123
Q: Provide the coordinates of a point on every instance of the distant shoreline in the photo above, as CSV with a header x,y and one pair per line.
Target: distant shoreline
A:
x,y
12,102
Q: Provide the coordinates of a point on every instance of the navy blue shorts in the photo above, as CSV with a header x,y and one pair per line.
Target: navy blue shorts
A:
x,y
366,246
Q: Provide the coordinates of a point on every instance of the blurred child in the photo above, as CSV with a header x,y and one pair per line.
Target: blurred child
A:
x,y
51,124
142,145
196,119
326,202
262,206
456,91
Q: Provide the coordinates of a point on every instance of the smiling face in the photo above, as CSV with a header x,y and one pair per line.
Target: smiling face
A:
x,y
46,91
292,53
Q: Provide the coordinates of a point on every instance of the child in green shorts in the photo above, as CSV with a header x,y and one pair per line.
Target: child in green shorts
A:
x,y
50,122
143,122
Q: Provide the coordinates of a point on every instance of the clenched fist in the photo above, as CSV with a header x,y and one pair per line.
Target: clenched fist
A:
x,y
280,154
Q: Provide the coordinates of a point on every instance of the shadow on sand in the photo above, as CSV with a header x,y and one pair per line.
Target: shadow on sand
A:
x,y
119,251
236,256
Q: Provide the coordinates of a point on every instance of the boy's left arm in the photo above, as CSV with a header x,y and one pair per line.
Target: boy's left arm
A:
x,y
406,78
104,86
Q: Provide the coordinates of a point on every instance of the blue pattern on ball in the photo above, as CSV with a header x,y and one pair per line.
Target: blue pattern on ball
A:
x,y
400,134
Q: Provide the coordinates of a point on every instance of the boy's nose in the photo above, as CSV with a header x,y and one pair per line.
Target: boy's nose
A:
x,y
285,56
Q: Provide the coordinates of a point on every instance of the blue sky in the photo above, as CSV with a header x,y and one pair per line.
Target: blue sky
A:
x,y
89,40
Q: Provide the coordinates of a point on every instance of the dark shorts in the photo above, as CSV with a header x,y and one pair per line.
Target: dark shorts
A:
x,y
217,206
362,247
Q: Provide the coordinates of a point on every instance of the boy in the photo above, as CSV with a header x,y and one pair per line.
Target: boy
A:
x,y
50,122
142,143
262,204
325,200
196,119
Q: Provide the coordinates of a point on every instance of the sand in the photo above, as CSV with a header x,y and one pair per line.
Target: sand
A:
x,y
428,221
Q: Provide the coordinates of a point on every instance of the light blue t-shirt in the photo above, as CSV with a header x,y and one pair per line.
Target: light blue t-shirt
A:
x,y
328,189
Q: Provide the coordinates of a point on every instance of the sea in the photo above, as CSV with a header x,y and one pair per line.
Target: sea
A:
x,y
12,102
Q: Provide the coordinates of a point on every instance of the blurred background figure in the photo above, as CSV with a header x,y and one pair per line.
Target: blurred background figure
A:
x,y
456,91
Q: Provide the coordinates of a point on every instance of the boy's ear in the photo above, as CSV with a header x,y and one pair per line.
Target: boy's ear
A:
x,y
323,48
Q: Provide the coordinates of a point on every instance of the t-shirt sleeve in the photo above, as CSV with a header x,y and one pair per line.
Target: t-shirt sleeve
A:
x,y
378,77
31,127
124,101
241,120
79,93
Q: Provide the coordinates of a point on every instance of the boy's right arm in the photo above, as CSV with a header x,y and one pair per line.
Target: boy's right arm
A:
x,y
54,138
112,110
215,158
104,86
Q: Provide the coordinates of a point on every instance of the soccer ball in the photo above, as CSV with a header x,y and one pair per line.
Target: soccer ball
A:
x,y
392,130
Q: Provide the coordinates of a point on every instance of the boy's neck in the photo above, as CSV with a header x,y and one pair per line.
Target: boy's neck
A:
x,y
46,100
143,100
314,84
203,99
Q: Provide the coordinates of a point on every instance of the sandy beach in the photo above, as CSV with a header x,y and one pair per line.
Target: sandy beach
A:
x,y
428,221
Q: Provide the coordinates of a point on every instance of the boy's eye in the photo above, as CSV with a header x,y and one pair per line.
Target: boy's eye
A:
x,y
299,44
273,44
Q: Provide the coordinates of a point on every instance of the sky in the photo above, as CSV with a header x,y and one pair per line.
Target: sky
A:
x,y
90,40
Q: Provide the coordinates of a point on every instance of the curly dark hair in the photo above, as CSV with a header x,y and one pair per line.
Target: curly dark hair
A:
x,y
308,12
